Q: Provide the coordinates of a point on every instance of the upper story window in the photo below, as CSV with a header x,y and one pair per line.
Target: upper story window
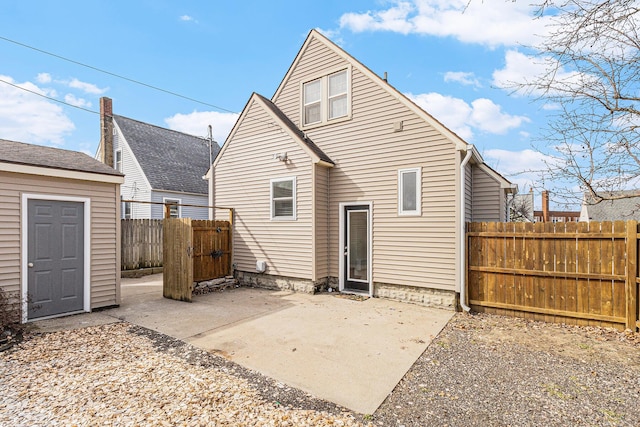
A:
x,y
313,102
117,161
326,98
409,191
283,198
338,95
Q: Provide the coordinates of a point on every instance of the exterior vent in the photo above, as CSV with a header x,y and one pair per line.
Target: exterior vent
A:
x,y
397,126
261,266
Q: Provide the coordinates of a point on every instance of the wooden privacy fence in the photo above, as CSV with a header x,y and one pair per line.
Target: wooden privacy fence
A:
x,y
573,273
141,243
194,251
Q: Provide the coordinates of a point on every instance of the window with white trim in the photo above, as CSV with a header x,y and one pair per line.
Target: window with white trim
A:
x,y
117,161
409,191
283,198
325,98
313,102
126,210
175,210
337,95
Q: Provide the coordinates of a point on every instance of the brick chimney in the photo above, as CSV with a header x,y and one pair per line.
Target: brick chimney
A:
x,y
106,131
545,206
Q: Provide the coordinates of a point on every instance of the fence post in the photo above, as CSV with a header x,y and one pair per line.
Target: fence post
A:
x,y
631,286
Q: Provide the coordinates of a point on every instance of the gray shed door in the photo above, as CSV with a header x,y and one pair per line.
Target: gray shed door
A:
x,y
55,251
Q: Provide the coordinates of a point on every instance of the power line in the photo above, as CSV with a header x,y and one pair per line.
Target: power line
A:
x,y
116,75
270,123
49,98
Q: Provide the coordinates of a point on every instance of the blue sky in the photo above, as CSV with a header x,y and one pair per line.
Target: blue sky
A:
x,y
452,61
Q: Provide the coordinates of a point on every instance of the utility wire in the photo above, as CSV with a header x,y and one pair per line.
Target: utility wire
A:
x,y
49,98
270,123
116,75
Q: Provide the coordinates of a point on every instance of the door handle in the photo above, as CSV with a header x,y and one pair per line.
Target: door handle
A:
x,y
30,265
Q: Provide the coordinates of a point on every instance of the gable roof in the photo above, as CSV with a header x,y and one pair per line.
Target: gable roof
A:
x,y
19,153
314,34
316,154
622,209
170,160
301,136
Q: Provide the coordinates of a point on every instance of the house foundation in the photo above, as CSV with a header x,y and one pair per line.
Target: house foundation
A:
x,y
427,297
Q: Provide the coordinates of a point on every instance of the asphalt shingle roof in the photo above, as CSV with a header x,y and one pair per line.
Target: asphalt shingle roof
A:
x,y
171,160
303,137
49,157
616,210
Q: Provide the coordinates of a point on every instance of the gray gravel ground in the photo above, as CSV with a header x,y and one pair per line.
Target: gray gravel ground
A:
x,y
482,370
486,370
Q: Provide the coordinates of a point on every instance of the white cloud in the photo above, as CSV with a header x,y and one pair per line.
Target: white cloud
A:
x,y
77,102
197,123
463,118
188,18
462,77
492,23
87,87
26,117
520,167
452,112
521,69
488,116
43,78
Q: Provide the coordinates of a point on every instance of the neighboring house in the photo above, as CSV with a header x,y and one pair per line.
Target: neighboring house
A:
x,y
622,209
547,215
341,181
59,230
160,165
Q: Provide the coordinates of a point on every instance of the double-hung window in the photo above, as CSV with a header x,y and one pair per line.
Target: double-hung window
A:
x,y
338,95
283,198
313,102
174,207
325,98
409,191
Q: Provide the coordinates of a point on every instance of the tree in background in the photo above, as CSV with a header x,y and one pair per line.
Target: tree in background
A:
x,y
591,78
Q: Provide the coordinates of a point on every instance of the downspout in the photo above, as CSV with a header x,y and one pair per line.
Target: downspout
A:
x,y
463,236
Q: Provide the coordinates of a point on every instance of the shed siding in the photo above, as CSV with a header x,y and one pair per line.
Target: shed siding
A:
x,y
242,181
419,251
105,277
487,197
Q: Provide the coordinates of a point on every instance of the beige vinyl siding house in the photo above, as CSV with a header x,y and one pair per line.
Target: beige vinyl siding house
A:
x,y
362,232
32,173
488,196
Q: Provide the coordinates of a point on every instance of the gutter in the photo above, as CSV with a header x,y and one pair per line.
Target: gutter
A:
x,y
463,240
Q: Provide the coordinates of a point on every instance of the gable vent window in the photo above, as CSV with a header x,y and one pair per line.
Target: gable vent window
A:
x,y
283,199
326,98
118,161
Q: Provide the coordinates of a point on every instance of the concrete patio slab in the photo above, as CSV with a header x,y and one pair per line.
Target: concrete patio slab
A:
x,y
348,351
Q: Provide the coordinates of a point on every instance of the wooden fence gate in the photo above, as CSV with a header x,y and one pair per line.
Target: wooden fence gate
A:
x,y
573,273
194,251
